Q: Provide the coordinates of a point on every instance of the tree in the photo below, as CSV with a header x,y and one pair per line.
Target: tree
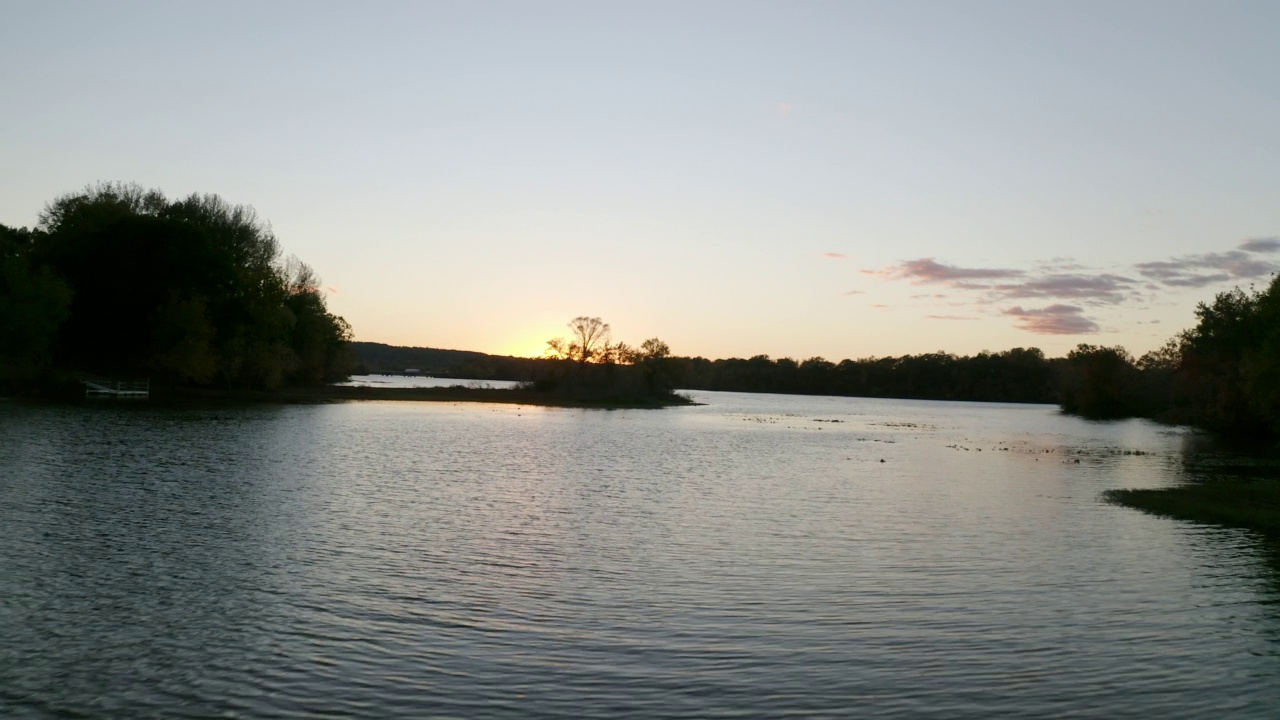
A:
x,y
604,369
1214,391
1099,382
654,349
190,291
588,342
1260,363
654,359
33,304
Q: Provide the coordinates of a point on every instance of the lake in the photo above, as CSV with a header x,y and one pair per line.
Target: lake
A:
x,y
756,556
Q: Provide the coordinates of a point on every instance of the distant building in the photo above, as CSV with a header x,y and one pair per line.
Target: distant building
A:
x,y
411,371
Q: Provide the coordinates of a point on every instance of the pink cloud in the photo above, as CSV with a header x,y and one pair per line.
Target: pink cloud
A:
x,y
926,271
834,255
1053,320
1214,268
1105,287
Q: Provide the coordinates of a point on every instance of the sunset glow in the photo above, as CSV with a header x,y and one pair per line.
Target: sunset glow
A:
x,y
839,180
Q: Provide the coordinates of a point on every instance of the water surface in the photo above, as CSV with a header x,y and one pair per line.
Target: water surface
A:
x,y
756,556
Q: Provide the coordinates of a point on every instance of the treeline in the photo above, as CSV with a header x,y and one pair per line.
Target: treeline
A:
x,y
381,359
120,281
1018,375
1222,375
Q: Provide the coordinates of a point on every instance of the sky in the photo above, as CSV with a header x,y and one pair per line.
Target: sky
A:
x,y
797,179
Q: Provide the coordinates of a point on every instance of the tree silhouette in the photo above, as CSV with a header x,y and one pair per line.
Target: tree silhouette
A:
x,y
589,341
189,291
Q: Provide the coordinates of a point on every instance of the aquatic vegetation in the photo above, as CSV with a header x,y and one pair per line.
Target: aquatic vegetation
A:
x,y
1253,504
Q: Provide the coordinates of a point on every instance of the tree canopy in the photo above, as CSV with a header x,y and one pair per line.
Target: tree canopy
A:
x,y
1223,374
588,364
189,291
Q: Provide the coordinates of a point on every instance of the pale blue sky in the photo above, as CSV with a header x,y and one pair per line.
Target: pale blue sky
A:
x,y
736,178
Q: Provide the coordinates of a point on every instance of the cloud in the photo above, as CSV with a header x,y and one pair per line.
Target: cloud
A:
x,y
1068,286
1261,245
928,271
1104,288
1060,264
784,108
834,255
1174,278
1197,270
852,292
1053,320
331,289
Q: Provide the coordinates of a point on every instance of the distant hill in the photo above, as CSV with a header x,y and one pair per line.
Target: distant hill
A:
x,y
378,358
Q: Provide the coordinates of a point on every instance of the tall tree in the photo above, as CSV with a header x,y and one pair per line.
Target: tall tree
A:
x,y
588,341
33,304
192,291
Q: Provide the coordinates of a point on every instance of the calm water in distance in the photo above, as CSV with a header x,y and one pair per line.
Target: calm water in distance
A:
x,y
756,556
423,381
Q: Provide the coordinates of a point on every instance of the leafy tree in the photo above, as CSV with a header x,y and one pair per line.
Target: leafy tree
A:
x,y
191,291
1213,358
33,304
1099,382
1260,363
602,369
653,357
1222,374
654,349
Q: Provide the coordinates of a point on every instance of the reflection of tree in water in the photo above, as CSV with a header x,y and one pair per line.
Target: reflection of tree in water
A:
x,y
1231,488
1269,553
1226,484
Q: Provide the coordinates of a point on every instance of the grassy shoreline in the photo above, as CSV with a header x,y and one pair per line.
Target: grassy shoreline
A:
x,y
1252,504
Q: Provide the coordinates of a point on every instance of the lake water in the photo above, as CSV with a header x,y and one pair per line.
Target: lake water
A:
x,y
756,556
423,381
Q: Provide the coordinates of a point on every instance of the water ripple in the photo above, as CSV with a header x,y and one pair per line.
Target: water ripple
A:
x,y
386,560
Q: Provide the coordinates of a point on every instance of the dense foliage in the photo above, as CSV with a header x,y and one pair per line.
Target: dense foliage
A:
x,y
589,365
1017,375
379,358
1223,374
120,281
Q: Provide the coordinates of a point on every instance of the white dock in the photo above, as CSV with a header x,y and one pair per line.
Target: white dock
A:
x,y
122,389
